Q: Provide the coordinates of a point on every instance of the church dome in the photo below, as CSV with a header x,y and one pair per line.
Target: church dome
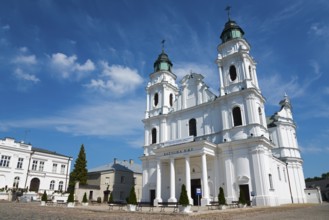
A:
x,y
162,63
231,31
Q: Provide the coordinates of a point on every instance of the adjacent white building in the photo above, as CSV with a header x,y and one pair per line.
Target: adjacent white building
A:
x,y
207,141
25,167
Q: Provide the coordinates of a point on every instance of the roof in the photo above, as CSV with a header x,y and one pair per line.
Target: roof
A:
x,y
126,166
36,149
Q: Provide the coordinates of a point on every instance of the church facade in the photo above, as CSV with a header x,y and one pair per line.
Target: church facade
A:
x,y
207,141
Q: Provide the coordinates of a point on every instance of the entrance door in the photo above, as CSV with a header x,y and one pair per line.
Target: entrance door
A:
x,y
245,190
195,183
152,196
34,185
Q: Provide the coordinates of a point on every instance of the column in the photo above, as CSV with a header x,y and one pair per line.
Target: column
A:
x,y
158,189
188,179
172,181
205,190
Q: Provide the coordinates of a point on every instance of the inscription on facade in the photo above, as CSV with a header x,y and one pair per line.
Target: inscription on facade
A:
x,y
178,151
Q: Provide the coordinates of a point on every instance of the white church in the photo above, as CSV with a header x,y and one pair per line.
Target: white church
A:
x,y
207,141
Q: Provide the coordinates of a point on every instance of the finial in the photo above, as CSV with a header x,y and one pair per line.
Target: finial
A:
x,y
163,42
228,8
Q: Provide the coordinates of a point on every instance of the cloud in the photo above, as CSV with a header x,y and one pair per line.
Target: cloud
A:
x,y
326,90
67,66
98,118
21,75
319,30
116,78
314,149
6,27
25,59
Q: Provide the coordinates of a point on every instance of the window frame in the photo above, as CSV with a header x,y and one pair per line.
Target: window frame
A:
x,y
237,116
5,161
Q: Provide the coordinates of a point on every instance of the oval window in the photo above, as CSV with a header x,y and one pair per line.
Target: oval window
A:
x,y
232,73
156,99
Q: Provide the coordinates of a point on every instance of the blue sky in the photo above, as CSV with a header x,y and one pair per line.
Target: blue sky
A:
x,y
74,72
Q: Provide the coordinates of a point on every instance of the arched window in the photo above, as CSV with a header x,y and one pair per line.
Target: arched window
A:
x,y
16,182
52,184
237,119
171,98
154,135
192,127
250,72
271,181
232,72
60,186
156,99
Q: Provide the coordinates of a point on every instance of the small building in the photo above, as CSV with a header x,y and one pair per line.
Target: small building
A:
x,y
322,184
23,166
117,178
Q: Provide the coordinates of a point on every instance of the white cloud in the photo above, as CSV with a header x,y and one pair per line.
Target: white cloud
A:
x,y
326,90
98,118
67,66
21,75
314,149
25,59
319,30
6,27
117,79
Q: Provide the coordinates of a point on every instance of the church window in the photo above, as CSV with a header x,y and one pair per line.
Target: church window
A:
x,y
250,72
171,97
154,135
192,127
271,181
60,186
232,73
279,174
260,115
156,99
237,119
284,175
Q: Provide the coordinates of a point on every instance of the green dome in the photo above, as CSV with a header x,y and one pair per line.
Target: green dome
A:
x,y
162,63
231,31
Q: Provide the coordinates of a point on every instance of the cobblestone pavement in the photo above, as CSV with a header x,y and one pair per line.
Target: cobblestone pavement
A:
x,y
20,211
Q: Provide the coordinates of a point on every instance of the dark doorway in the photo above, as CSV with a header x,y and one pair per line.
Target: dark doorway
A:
x,y
91,195
34,185
106,195
152,196
245,190
195,183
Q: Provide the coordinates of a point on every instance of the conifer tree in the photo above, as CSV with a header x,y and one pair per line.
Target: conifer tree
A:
x,y
221,197
132,197
79,172
183,199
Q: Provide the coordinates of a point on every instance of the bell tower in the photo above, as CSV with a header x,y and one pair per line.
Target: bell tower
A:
x,y
237,69
162,88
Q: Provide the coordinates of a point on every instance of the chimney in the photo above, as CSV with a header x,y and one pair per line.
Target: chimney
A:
x,y
115,161
131,161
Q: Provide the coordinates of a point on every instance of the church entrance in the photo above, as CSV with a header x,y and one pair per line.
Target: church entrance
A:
x,y
246,194
195,183
34,185
152,196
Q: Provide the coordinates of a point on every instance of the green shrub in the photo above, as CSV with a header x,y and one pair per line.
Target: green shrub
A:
x,y
132,197
242,199
44,196
111,197
221,197
183,199
84,199
99,200
71,197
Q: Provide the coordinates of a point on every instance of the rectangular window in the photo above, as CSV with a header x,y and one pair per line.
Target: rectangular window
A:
x,y
4,162
54,167
271,181
41,165
62,169
279,174
34,165
20,163
122,179
107,180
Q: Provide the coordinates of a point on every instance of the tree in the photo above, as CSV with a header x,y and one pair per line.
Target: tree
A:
x,y
111,198
242,199
71,197
132,197
44,196
80,171
84,199
221,197
183,199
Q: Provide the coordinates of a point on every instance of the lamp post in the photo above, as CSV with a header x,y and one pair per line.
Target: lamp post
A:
x,y
292,199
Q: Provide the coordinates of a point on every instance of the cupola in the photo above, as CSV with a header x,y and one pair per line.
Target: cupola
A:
x,y
231,31
162,63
